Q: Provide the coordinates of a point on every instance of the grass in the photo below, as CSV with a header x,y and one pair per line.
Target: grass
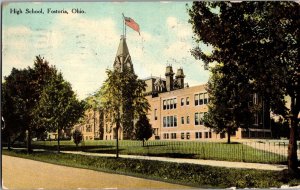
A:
x,y
185,174
181,149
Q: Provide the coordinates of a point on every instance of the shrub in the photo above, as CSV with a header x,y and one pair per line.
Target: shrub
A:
x,y
77,137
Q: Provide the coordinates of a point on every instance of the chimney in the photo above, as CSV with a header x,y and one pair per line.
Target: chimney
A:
x,y
169,78
180,78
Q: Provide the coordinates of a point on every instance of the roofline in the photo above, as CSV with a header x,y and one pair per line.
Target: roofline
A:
x,y
153,77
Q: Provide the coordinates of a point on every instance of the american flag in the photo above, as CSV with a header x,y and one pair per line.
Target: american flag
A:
x,y
132,24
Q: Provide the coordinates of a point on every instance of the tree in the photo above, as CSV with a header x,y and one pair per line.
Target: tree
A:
x,y
143,129
261,40
226,111
77,137
58,108
122,99
20,92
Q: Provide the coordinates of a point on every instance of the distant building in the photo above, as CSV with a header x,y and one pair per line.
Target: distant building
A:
x,y
91,125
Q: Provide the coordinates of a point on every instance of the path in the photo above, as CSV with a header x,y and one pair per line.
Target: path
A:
x,y
19,173
276,148
193,161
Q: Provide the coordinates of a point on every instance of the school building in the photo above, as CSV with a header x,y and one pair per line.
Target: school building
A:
x,y
176,110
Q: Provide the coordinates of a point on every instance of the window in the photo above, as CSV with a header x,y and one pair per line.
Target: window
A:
x,y
201,99
205,98
196,118
187,135
170,121
199,118
209,135
198,135
187,101
168,104
182,135
173,135
196,99
182,101
155,112
206,135
175,103
175,121
166,135
187,119
182,120
171,104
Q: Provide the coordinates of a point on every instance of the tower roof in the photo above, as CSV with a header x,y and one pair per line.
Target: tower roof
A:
x,y
123,49
123,58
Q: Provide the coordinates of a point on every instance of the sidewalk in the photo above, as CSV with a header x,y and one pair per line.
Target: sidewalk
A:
x,y
192,161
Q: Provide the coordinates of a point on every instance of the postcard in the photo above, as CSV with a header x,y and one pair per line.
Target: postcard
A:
x,y
115,95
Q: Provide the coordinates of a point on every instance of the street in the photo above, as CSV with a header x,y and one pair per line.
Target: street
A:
x,y
22,173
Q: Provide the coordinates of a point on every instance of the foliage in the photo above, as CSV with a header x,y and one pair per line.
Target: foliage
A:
x,y
143,129
122,99
260,41
200,176
20,92
227,111
58,108
37,99
77,137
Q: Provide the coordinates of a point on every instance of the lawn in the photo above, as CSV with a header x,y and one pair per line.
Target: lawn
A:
x,y
181,173
178,149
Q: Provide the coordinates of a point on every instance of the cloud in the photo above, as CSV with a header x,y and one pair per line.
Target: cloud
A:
x,y
81,48
89,48
102,30
181,28
17,30
178,50
172,22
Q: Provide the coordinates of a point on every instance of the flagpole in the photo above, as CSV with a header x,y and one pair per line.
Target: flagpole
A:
x,y
124,26
123,23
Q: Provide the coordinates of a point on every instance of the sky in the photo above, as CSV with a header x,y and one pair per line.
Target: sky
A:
x,y
83,45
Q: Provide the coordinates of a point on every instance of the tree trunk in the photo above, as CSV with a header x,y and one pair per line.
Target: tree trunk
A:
x,y
143,142
117,138
292,148
58,141
8,142
228,135
29,148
